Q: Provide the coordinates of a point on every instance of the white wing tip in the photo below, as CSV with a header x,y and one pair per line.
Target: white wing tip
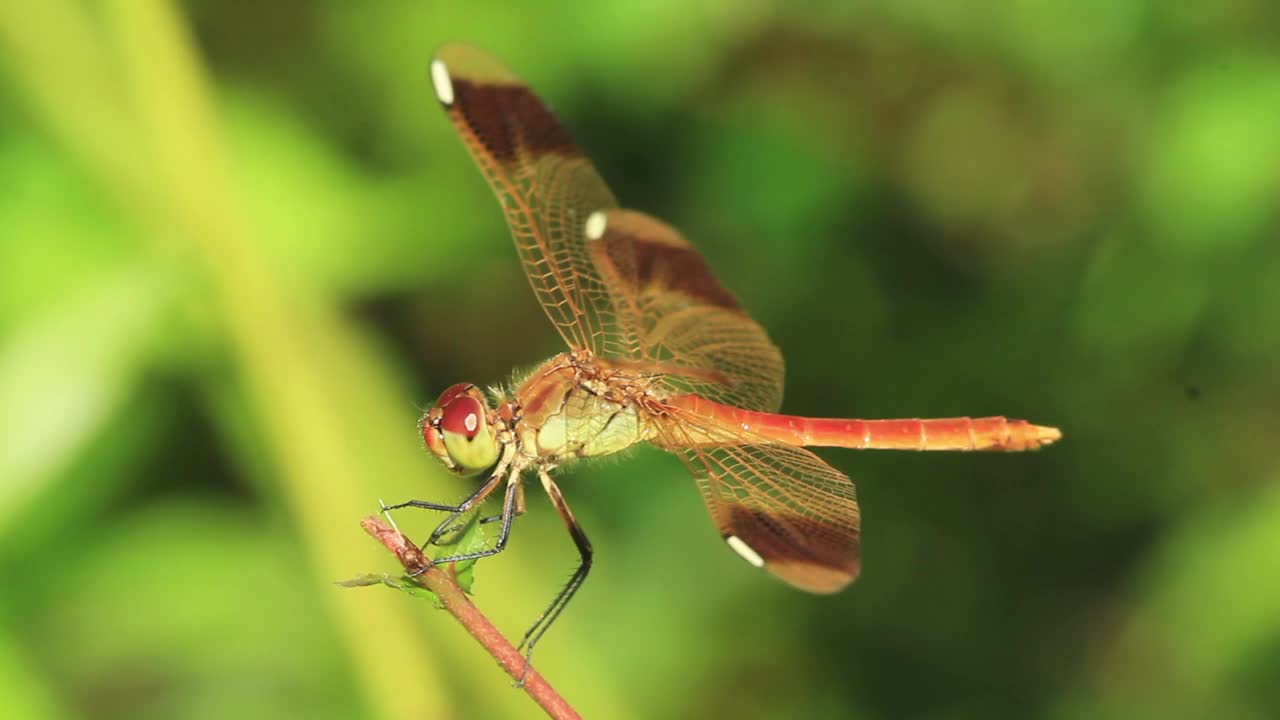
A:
x,y
744,550
596,225
441,81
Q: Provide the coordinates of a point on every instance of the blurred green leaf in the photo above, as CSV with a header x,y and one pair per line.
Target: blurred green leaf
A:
x,y
1210,588
60,235
1205,618
26,693
206,605
66,372
1213,172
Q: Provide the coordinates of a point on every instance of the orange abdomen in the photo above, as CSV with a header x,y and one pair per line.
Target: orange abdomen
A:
x,y
962,433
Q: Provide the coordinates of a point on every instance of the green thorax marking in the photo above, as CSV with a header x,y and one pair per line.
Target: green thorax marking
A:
x,y
588,425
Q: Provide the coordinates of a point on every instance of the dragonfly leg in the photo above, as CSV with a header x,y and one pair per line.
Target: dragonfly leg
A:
x,y
449,523
508,514
456,511
496,518
444,530
562,598
520,506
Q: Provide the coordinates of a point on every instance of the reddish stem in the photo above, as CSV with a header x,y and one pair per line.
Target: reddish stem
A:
x,y
442,584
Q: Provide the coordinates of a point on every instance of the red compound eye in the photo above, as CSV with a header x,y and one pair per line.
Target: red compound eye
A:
x,y
462,416
452,392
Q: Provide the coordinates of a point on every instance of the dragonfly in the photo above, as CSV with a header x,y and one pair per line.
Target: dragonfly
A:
x,y
658,352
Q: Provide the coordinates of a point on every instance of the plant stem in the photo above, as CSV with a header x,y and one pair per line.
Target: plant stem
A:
x,y
442,584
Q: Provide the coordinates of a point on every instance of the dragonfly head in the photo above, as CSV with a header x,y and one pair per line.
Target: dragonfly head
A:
x,y
459,432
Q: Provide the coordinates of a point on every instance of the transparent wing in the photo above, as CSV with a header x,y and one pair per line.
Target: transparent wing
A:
x,y
642,293
546,187
687,326
780,507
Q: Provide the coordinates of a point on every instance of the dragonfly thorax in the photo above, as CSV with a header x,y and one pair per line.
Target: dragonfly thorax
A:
x,y
460,430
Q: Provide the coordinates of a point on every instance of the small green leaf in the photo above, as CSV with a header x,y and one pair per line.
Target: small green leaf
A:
x,y
403,583
370,579
471,539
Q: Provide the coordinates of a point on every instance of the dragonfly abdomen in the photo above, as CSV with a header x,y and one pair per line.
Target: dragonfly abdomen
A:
x,y
962,433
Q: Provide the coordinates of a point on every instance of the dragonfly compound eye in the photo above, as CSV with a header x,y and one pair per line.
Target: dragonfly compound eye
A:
x,y
463,425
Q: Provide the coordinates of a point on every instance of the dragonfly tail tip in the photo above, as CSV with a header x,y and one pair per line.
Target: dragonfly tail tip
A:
x,y
1047,435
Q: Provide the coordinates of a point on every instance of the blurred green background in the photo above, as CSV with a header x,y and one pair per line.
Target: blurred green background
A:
x,y
241,249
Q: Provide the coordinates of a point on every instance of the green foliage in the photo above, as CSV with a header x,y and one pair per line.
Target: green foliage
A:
x,y
241,249
464,540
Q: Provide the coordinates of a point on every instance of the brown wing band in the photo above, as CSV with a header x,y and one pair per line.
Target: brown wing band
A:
x,y
487,109
810,555
663,258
